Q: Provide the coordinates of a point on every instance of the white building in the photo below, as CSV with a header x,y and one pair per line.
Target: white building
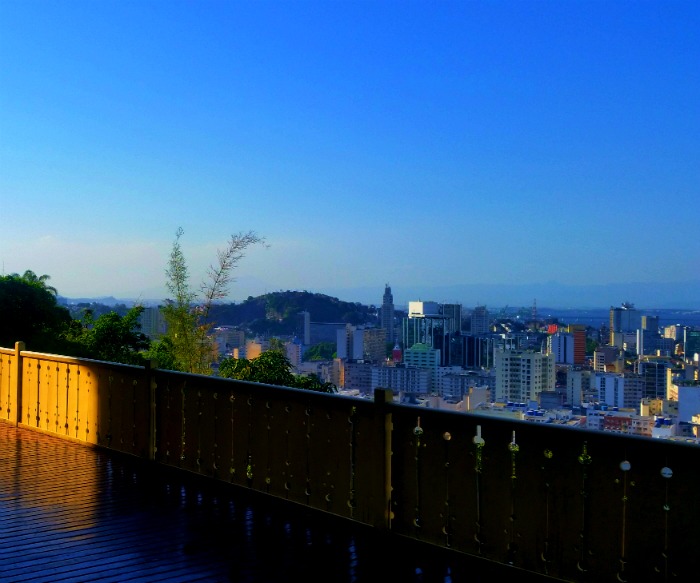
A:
x,y
617,390
521,375
580,387
453,383
401,379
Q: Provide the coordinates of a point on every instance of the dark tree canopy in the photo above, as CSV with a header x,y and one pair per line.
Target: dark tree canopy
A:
x,y
321,351
115,338
272,367
29,312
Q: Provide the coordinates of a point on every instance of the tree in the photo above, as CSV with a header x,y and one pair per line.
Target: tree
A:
x,y
163,353
39,280
272,367
187,313
321,351
591,345
115,338
29,312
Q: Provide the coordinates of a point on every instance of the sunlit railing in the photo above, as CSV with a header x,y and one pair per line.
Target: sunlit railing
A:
x,y
577,505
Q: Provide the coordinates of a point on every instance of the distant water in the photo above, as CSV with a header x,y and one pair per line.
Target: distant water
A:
x,y
598,317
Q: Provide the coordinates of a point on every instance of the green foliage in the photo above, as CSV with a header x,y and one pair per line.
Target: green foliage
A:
x,y
163,353
277,345
79,310
187,313
272,367
29,312
118,338
591,345
321,351
313,383
37,280
111,337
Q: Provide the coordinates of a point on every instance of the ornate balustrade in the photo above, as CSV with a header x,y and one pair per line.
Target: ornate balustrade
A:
x,y
573,504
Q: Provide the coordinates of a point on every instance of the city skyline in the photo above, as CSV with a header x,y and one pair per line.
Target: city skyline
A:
x,y
478,152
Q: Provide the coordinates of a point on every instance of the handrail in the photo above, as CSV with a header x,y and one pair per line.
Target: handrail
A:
x,y
569,503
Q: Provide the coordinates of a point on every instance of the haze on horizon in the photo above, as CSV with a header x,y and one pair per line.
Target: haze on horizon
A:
x,y
455,150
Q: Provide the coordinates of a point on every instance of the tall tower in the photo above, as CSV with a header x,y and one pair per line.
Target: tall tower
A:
x,y
386,314
480,320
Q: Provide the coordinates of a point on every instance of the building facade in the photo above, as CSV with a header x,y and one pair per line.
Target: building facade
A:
x,y
387,314
522,375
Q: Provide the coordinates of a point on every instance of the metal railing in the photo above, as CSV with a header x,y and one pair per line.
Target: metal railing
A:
x,y
569,503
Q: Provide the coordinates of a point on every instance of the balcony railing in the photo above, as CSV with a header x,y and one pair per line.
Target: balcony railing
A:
x,y
568,503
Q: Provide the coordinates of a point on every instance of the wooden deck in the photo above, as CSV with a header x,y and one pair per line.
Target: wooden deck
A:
x,y
74,513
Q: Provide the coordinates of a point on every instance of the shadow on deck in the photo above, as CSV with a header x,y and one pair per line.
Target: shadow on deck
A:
x,y
74,513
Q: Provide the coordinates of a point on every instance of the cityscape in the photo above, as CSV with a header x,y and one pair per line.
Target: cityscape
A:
x,y
632,373
489,367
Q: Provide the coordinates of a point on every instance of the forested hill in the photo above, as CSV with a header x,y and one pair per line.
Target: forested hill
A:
x,y
276,312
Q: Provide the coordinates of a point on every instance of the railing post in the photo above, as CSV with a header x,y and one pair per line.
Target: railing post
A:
x,y
382,397
151,380
17,374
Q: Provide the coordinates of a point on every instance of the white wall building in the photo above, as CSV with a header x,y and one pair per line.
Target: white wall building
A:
x,y
580,387
617,390
401,379
521,375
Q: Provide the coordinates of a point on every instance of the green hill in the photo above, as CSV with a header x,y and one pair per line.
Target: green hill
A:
x,y
276,313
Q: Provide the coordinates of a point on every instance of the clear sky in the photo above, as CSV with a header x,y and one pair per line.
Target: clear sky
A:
x,y
421,144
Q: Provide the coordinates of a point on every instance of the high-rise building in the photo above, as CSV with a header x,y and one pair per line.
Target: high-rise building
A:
x,y
653,371
153,322
579,333
521,375
580,387
650,323
358,343
624,319
423,324
401,379
374,344
620,390
453,318
561,345
691,344
480,321
386,314
294,351
608,359
674,331
303,328
423,356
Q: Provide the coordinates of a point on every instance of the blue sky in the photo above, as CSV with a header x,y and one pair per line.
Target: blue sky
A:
x,y
429,145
